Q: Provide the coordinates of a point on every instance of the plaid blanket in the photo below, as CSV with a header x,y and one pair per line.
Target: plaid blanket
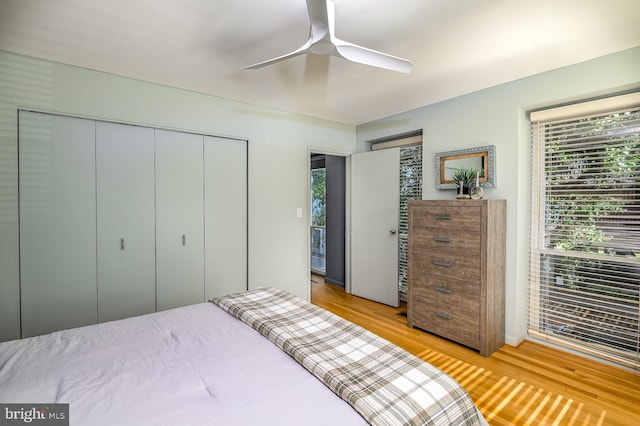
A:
x,y
382,382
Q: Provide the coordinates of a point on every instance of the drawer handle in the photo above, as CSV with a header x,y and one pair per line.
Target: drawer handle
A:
x,y
121,243
443,217
443,289
442,263
443,315
442,239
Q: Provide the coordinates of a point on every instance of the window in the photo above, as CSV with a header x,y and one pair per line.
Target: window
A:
x,y
319,220
585,227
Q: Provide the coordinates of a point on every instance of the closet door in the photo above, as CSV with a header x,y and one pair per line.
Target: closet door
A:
x,y
179,219
126,220
225,198
57,222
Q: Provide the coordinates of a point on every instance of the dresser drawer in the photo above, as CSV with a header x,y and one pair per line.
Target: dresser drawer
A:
x,y
467,218
455,241
453,264
443,293
460,328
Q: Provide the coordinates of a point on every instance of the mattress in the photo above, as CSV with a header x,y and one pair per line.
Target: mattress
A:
x,y
194,365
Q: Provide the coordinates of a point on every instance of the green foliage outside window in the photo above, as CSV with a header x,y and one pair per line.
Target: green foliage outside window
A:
x,y
592,181
589,183
318,197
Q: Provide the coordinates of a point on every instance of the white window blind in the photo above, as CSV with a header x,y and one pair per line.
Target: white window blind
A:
x,y
585,227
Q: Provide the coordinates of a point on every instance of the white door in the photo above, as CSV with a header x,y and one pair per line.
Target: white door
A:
x,y
179,219
57,222
126,221
225,207
375,210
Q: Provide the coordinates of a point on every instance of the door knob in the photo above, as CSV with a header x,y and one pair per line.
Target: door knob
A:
x,y
393,231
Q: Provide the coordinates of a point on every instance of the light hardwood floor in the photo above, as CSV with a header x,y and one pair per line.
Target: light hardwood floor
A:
x,y
530,384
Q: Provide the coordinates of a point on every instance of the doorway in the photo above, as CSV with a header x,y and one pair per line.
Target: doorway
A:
x,y
328,219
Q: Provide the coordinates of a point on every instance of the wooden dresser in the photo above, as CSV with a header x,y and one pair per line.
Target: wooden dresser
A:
x,y
457,270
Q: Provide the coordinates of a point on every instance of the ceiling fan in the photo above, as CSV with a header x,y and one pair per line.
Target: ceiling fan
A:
x,y
322,41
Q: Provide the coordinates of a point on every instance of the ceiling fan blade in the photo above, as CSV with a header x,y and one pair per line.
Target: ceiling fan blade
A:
x,y
370,57
322,41
299,51
321,15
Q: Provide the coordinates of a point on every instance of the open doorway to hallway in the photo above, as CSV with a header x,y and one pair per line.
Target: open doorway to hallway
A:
x,y
328,204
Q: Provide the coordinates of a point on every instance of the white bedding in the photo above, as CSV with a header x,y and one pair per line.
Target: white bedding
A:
x,y
186,366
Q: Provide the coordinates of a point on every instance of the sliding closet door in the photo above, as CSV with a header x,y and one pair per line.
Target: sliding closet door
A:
x,y
57,222
225,189
179,219
126,220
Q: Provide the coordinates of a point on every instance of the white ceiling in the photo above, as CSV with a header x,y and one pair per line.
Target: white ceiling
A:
x,y
457,46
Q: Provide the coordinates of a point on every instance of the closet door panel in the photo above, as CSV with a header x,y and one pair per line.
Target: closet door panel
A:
x,y
57,222
126,220
225,188
179,219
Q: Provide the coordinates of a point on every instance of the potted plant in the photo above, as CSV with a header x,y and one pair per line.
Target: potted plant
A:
x,y
467,177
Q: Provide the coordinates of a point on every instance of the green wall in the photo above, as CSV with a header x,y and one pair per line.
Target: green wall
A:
x,y
279,145
498,116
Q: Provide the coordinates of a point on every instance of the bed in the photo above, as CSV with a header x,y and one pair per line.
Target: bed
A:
x,y
263,357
